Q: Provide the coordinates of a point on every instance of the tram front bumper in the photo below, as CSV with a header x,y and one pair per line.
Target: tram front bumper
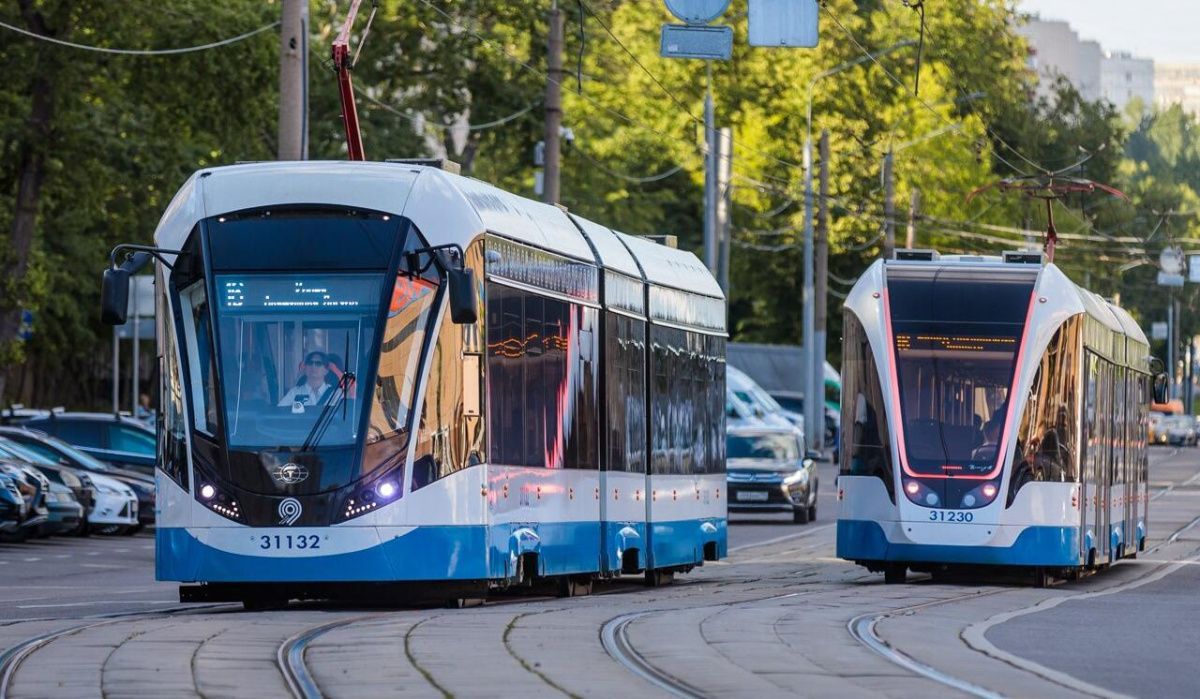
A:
x,y
1050,546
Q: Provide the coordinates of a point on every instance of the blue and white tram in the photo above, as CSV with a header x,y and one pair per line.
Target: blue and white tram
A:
x,y
338,418
994,413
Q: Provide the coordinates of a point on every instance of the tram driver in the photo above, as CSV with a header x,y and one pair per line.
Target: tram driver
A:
x,y
313,388
991,438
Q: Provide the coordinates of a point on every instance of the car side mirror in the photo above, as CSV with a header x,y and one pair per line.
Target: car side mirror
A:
x,y
114,296
1160,388
464,308
812,454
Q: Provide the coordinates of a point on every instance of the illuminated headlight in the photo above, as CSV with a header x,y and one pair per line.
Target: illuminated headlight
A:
x,y
387,489
207,491
920,494
981,496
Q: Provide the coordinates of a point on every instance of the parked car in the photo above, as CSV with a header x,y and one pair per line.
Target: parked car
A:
x,y
79,482
116,439
64,513
1180,430
769,470
54,448
33,488
12,507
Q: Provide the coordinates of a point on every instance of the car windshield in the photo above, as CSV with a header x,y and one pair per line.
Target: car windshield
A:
x,y
17,451
56,449
956,337
763,447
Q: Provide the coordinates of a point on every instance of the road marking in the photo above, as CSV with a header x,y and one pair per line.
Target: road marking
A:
x,y
32,559
974,635
63,555
785,537
99,565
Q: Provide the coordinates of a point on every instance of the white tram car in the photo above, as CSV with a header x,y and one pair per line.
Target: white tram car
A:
x,y
338,419
993,413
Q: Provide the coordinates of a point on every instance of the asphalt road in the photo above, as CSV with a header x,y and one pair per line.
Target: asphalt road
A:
x,y
781,616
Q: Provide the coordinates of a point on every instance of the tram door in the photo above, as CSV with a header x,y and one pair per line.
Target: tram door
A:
x,y
1091,444
1104,463
623,476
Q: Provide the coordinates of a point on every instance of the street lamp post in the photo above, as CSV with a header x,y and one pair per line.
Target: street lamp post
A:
x,y
814,388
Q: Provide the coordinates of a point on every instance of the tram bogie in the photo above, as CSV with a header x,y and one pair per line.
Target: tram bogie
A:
x,y
380,379
994,414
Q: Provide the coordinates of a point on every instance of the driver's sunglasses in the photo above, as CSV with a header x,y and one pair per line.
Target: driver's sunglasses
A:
x,y
315,362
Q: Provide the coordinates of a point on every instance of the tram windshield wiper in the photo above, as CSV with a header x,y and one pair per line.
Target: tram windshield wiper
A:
x,y
326,416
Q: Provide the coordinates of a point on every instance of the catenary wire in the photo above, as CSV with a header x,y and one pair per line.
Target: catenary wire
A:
x,y
141,52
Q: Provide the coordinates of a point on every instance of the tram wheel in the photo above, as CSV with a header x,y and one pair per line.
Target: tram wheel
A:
x,y
659,578
575,586
895,574
1042,578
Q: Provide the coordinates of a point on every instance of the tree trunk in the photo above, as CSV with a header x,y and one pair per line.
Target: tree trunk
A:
x,y
30,174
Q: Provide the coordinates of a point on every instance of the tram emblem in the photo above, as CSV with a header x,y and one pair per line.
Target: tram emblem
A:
x,y
289,511
290,473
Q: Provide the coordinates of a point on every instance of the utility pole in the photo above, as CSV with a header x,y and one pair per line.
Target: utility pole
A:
x,y
554,114
293,80
712,157
821,243
136,369
914,210
1171,342
724,203
889,207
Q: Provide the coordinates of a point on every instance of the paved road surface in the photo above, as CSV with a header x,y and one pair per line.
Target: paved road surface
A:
x,y
781,617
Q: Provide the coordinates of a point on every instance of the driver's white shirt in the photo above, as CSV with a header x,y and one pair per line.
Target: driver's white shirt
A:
x,y
314,395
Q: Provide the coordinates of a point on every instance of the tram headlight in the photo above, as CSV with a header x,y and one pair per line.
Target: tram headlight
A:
x,y
387,489
980,496
921,494
207,491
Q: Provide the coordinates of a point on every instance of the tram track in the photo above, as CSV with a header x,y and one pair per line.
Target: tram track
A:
x,y
863,627
12,657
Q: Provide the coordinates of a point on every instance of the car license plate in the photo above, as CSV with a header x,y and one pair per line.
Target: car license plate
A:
x,y
752,496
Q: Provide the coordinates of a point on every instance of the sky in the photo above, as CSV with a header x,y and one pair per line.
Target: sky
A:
x,y
1165,30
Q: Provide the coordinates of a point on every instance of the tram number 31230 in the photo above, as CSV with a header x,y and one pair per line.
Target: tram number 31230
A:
x,y
950,516
288,542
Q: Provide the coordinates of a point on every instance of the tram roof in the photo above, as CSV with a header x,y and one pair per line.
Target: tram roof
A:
x,y
612,253
678,269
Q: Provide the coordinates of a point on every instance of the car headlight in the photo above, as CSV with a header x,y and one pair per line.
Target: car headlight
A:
x,y
799,478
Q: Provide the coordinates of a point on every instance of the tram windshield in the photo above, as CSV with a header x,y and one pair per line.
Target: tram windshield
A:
x,y
957,334
292,347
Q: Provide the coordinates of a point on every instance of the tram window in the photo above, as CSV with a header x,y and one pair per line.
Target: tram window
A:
x,y
585,452
201,363
625,409
1048,433
172,427
866,444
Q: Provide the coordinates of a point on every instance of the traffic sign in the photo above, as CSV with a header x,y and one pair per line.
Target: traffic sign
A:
x,y
784,23
1194,269
697,11
1170,260
25,331
1165,279
688,41
1158,330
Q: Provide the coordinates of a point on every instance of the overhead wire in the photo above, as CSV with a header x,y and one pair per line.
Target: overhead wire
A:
x,y
140,52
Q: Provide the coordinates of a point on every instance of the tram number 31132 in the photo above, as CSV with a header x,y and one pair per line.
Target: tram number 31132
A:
x,y
950,516
289,542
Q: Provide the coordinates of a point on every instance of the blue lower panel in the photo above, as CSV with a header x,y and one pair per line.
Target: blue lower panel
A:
x,y
682,542
620,537
426,553
1036,546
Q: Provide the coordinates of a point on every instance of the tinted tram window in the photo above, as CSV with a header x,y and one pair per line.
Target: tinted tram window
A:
x,y
1048,434
688,401
866,445
956,336
625,409
542,381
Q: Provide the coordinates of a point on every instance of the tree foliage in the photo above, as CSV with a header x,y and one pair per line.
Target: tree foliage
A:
x,y
466,78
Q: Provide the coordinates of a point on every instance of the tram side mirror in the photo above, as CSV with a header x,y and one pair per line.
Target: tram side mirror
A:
x,y
114,296
463,307
1160,388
